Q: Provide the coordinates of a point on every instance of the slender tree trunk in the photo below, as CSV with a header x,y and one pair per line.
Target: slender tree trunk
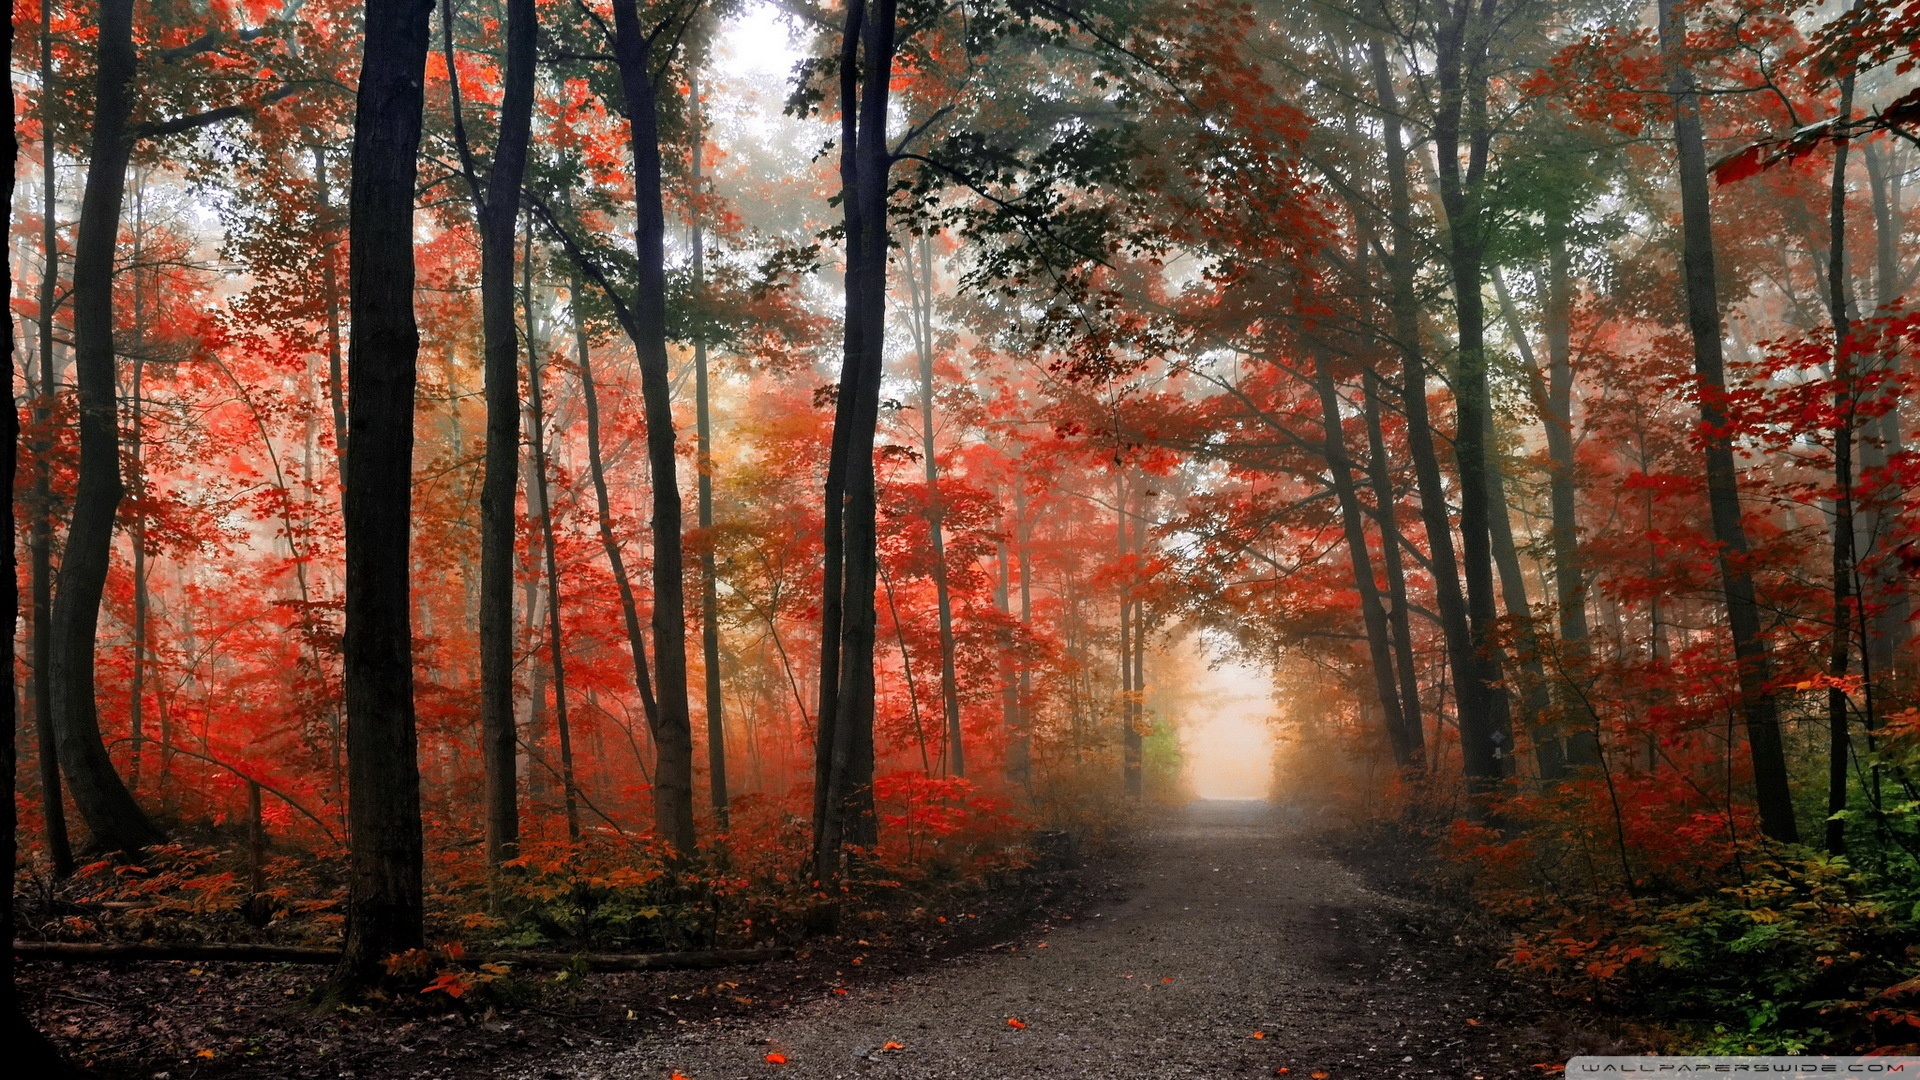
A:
x,y
385,905
1750,650
1390,540
1020,740
543,509
703,433
1845,401
1137,701
1887,591
1373,615
1131,750
40,529
920,282
1461,111
843,797
673,727
330,285
597,470
113,817
30,1051
1471,692
1011,768
496,202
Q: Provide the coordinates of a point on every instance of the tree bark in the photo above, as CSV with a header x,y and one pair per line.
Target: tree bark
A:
x,y
843,752
1889,631
1408,675
385,907
496,211
597,470
40,529
703,434
1373,615
920,280
32,1053
543,510
673,726
1845,563
1460,63
1471,692
1751,654
113,817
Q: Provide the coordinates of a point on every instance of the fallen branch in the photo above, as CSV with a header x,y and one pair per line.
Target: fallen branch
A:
x,y
70,952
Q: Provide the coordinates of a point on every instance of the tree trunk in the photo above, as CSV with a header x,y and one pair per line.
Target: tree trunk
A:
x,y
673,726
1845,401
1460,52
843,752
31,1052
1390,540
40,529
496,212
1379,648
113,817
703,433
385,906
541,497
1020,741
1887,591
920,282
1131,750
597,470
1750,649
1471,692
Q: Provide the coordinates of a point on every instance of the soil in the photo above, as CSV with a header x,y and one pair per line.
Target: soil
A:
x,y
1227,942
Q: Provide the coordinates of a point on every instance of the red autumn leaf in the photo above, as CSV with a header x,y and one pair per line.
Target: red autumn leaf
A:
x,y
1013,1022
776,1058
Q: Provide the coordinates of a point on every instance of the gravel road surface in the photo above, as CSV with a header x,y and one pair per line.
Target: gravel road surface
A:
x,y
1233,925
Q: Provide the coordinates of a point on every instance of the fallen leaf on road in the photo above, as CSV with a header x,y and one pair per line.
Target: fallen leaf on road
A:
x,y
1015,1023
1259,1034
678,1076
893,1046
1318,1075
839,989
1473,1023
776,1058
1166,980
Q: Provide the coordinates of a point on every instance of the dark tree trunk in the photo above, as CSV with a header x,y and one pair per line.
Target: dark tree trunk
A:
x,y
384,905
1407,674
673,725
1471,692
30,1051
709,580
497,207
1373,615
1750,650
1460,61
113,817
920,278
40,531
1845,401
843,753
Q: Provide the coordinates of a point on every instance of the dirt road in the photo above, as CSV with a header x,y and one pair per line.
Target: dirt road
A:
x,y
1233,925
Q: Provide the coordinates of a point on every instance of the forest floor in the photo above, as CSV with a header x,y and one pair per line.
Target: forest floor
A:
x,y
1228,920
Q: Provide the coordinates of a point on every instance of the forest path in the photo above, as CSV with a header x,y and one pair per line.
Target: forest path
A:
x,y
1232,924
